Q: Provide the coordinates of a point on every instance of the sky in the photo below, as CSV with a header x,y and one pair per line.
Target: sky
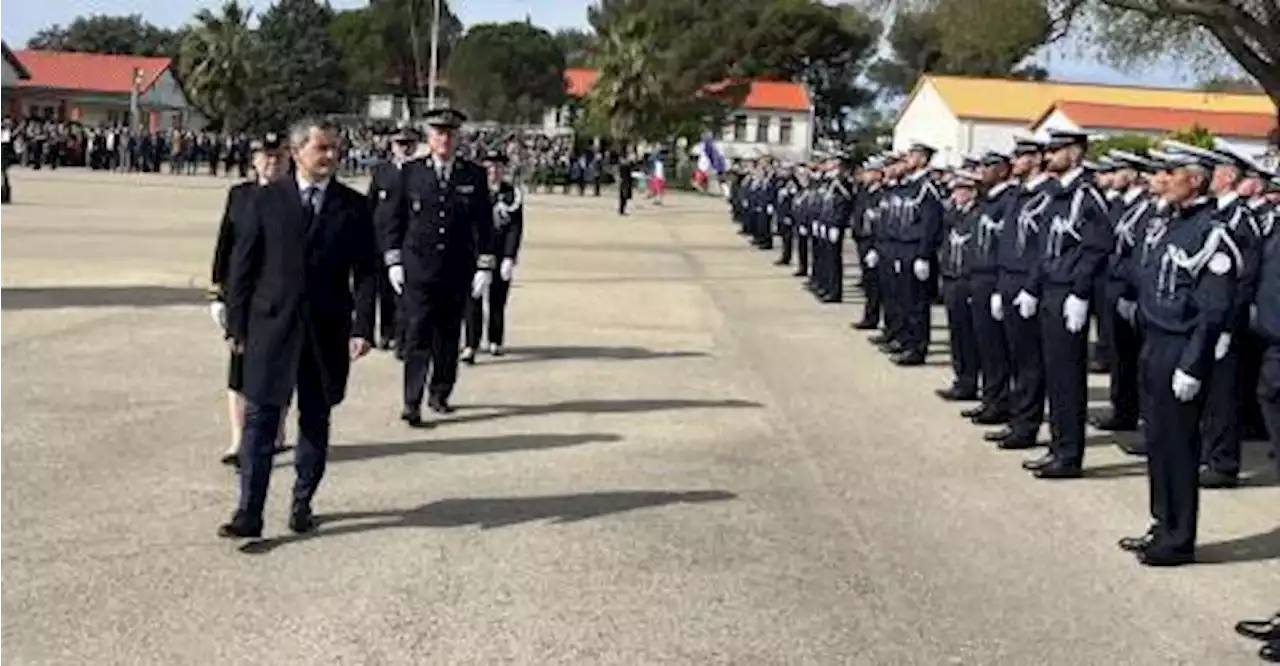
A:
x,y
24,18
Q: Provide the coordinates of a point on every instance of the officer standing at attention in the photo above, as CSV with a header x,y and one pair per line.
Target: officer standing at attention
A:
x,y
9,157
1266,323
1186,299
440,252
802,217
383,199
508,227
961,224
890,340
867,220
837,215
919,220
787,194
1074,249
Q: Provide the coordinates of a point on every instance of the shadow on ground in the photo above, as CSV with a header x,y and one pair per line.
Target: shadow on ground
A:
x,y
49,298
589,407
591,353
1255,548
466,446
490,513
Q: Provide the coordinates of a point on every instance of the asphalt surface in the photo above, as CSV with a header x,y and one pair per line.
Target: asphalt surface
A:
x,y
683,460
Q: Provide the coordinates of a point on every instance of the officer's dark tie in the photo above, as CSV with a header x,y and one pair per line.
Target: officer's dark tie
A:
x,y
310,194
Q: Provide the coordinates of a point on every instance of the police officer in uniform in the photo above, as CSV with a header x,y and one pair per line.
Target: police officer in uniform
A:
x,y
867,220
383,199
440,251
836,215
787,195
8,156
919,227
508,228
961,224
1186,298
270,162
802,208
1074,249
890,340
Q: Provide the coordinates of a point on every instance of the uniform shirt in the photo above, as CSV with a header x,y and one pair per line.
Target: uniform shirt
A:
x,y
1019,243
993,214
961,228
1129,229
1238,219
916,209
1075,244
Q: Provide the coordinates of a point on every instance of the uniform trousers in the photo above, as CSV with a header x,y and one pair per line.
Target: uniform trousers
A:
x,y
993,349
387,304
1026,397
1268,392
763,236
262,428
433,329
890,296
1220,425
801,235
1173,446
475,316
964,341
1066,380
786,236
1104,319
833,274
818,260
1124,349
1251,348
915,299
870,285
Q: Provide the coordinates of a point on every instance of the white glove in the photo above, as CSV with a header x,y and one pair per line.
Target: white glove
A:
x,y
396,275
507,269
1185,387
871,259
897,266
1224,345
480,283
921,269
1026,304
833,234
1076,313
218,310
769,209
1253,316
820,231
1128,310
997,307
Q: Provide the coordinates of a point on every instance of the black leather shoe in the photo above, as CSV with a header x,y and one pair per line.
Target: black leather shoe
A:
x,y
411,416
1059,469
800,272
1039,463
894,347
468,356
439,405
997,435
1113,424
909,359
1136,447
240,527
864,325
1019,443
781,262
991,417
955,394
301,519
1099,368
1260,630
1270,652
972,411
832,299
1154,556
879,339
1136,544
1215,480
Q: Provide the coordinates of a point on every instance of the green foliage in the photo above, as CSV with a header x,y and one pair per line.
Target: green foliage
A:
x,y
302,69
217,56
577,45
1128,142
358,36
1195,136
404,28
508,72
100,33
1229,84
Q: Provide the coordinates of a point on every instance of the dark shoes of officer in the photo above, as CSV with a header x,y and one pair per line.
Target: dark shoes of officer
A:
x,y
781,262
973,411
412,416
800,272
1058,469
301,520
1008,440
991,417
439,405
1155,556
1260,630
864,325
956,394
879,339
1039,463
908,359
1136,544
1112,423
240,527
1215,480
468,356
1133,447
1270,652
1099,367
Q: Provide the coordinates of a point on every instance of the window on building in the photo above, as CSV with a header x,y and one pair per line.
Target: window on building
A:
x,y
762,129
784,131
726,132
740,128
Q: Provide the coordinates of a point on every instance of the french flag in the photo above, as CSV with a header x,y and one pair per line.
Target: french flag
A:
x,y
712,153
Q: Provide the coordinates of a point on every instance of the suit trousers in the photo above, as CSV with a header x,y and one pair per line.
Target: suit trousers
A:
x,y
1220,426
786,236
890,295
1026,397
1268,391
387,304
1124,348
964,342
993,349
431,351
475,316
262,427
1173,446
870,285
1066,379
914,297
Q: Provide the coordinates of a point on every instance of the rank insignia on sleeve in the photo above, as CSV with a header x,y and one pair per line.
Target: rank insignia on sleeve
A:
x,y
1220,263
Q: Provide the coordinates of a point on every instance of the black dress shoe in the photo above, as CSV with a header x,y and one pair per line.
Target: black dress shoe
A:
x,y
1215,480
1113,424
1136,447
230,459
879,339
1039,463
1136,544
1270,652
1059,469
1019,443
894,347
439,405
998,435
800,273
468,356
955,394
864,325
972,411
1154,556
832,299
301,520
991,417
1260,630
1099,368
411,416
909,359
781,262
240,527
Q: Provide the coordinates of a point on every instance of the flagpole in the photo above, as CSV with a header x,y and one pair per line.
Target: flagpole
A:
x,y
435,54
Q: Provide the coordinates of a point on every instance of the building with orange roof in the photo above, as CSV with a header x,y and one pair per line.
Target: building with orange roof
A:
x,y
962,116
775,117
97,89
14,70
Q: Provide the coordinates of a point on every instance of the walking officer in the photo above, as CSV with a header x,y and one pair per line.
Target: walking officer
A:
x,y
1074,249
508,227
961,222
383,197
1186,299
999,195
440,251
918,220
867,221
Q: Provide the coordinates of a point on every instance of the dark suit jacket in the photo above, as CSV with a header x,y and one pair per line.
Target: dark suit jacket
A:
x,y
238,198
384,198
292,291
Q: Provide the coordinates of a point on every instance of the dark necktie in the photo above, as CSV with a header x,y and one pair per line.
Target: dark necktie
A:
x,y
310,194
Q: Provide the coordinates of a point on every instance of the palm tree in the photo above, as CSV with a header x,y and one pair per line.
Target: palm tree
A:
x,y
627,90
217,62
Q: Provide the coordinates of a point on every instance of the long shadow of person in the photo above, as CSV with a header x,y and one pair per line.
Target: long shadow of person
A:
x,y
593,353
467,446
590,407
493,512
1255,548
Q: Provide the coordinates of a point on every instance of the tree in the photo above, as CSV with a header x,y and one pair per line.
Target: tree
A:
x,y
117,35
365,60
577,45
510,72
302,73
217,55
1133,143
405,30
1229,84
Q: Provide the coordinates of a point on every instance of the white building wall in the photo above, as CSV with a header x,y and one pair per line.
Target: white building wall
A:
x,y
795,149
10,75
928,119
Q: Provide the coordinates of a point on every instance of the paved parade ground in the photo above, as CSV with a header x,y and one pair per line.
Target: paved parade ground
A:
x,y
683,460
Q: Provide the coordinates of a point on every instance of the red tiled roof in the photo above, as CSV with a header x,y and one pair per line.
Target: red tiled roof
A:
x,y
18,67
1157,119
89,72
763,95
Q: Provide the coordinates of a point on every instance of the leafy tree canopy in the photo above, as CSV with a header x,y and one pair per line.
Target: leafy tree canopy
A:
x,y
508,72
117,35
577,45
302,68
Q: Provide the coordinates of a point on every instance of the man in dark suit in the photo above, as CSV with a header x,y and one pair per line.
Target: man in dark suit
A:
x,y
304,259
440,251
383,186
